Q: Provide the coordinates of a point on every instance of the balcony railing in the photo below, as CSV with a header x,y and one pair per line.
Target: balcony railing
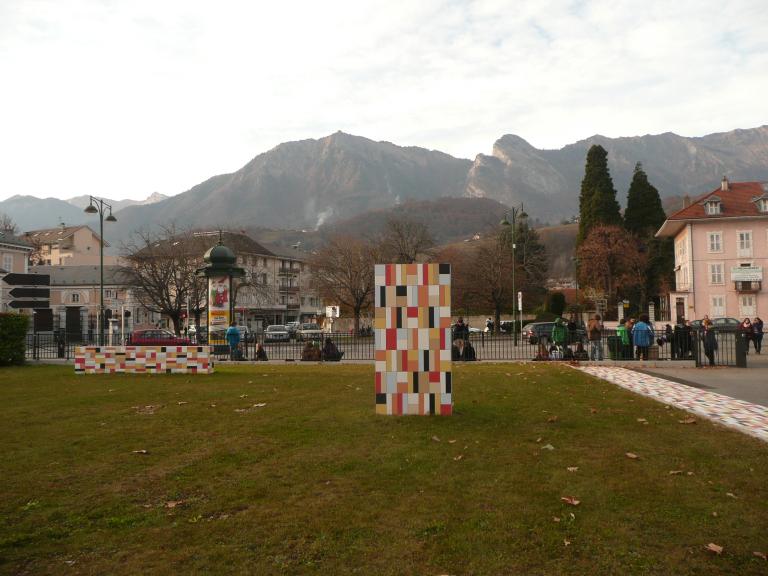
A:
x,y
746,286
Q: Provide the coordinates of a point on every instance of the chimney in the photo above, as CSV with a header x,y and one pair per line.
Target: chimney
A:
x,y
686,201
724,184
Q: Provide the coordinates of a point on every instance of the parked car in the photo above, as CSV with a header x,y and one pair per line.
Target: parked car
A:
x,y
537,332
292,328
309,332
277,333
218,335
723,324
472,330
156,337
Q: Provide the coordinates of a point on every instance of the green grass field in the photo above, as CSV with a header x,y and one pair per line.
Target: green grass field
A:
x,y
313,482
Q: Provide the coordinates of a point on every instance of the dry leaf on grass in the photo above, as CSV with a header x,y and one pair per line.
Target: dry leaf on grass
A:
x,y
547,447
451,441
435,438
572,468
181,403
555,519
173,503
459,457
675,472
731,495
642,420
260,405
762,555
566,542
538,439
593,410
632,456
140,452
243,395
552,419
688,421
570,500
712,547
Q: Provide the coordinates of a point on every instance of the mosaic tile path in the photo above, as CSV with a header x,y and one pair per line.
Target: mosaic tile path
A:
x,y
748,418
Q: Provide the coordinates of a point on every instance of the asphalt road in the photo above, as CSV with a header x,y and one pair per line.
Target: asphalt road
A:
x,y
749,384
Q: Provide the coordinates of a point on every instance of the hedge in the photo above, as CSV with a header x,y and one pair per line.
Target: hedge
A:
x,y
13,337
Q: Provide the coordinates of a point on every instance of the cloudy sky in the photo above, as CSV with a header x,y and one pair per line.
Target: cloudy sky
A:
x,y
120,98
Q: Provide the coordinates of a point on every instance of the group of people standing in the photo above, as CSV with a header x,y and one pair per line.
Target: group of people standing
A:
x,y
752,331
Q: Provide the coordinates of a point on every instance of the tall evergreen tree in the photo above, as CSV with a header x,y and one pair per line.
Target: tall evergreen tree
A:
x,y
597,202
644,214
643,217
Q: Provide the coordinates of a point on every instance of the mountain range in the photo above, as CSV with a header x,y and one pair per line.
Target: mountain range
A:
x,y
32,213
309,183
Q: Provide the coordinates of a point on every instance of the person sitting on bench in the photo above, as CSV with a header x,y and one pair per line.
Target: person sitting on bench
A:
x,y
331,352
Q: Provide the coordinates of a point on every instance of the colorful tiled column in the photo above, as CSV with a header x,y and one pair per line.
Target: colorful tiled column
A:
x,y
413,339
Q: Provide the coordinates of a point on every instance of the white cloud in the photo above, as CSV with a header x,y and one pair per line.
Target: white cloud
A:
x,y
123,98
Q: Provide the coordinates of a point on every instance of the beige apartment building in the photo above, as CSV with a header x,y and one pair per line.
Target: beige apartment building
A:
x,y
14,255
721,253
75,300
277,287
66,246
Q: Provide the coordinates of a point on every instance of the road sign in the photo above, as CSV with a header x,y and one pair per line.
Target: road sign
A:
x,y
15,279
29,304
24,287
30,293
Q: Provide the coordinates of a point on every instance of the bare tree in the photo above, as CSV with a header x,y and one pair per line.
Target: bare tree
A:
x,y
7,225
163,269
404,240
610,259
343,272
482,275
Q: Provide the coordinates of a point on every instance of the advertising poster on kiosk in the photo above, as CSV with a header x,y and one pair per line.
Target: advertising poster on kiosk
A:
x,y
218,302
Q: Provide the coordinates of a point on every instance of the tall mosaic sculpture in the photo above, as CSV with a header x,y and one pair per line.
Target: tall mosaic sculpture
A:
x,y
413,339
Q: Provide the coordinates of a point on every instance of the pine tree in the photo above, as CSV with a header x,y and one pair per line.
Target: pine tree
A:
x,y
644,214
597,202
643,217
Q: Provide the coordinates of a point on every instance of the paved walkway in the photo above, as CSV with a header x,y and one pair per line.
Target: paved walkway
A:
x,y
742,416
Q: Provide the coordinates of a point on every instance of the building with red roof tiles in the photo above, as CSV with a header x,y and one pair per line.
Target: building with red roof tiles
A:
x,y
721,252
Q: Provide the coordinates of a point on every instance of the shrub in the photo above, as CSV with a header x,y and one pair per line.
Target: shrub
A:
x,y
13,336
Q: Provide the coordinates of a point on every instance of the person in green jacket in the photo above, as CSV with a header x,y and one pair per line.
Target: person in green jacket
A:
x,y
626,343
559,332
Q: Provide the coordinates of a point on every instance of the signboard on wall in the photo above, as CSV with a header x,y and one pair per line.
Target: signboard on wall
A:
x,y
747,274
332,311
218,302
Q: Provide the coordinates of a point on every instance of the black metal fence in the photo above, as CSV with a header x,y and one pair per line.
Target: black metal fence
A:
x,y
729,348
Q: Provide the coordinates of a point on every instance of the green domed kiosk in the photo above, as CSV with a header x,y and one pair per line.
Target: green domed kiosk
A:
x,y
220,269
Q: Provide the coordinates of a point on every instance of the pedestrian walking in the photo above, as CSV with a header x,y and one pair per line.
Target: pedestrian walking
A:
x,y
595,335
747,332
624,350
757,336
232,336
642,336
709,337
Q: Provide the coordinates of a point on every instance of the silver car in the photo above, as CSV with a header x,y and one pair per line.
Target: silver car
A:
x,y
276,333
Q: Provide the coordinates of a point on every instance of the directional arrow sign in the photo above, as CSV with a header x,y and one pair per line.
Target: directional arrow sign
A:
x,y
30,293
30,304
15,279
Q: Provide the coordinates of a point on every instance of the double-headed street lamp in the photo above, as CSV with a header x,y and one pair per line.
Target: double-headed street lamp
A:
x,y
98,206
515,212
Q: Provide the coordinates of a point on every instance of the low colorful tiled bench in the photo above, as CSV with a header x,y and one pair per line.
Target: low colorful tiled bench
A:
x,y
143,360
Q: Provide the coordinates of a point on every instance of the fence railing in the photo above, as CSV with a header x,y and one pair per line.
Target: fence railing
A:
x,y
728,350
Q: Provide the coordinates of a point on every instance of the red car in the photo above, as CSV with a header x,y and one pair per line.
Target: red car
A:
x,y
156,338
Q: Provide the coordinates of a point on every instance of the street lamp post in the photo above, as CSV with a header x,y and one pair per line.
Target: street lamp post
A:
x,y
98,206
505,223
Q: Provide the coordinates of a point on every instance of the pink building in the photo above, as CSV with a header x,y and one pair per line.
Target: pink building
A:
x,y
721,250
